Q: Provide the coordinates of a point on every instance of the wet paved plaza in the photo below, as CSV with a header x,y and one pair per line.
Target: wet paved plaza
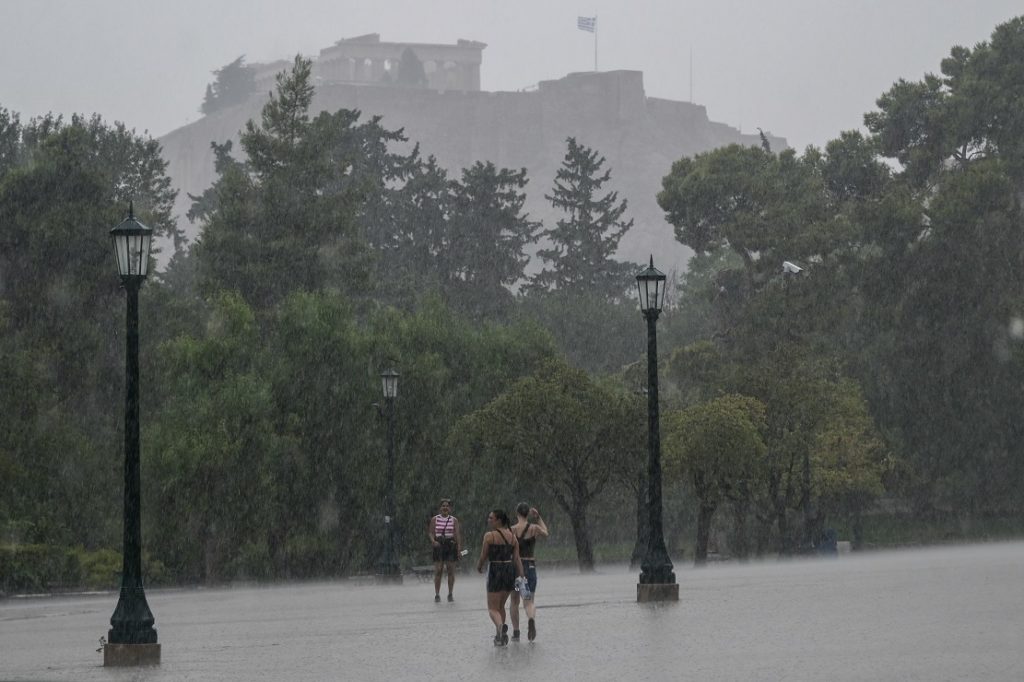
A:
x,y
938,614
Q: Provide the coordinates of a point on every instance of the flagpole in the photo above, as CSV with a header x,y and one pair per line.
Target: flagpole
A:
x,y
691,75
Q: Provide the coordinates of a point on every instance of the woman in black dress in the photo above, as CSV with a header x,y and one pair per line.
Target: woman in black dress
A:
x,y
501,549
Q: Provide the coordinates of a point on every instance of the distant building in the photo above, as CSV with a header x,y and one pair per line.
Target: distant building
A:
x,y
365,59
451,118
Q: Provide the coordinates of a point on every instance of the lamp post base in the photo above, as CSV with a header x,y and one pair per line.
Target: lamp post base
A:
x,y
125,655
652,592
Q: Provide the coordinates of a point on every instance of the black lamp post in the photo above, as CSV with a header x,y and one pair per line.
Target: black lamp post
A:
x,y
132,638
390,570
657,579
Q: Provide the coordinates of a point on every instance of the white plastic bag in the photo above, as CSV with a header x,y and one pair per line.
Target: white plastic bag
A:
x,y
523,588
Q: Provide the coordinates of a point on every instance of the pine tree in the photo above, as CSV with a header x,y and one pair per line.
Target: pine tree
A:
x,y
488,233
583,242
285,218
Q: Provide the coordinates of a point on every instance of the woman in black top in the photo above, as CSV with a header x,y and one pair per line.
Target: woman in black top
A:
x,y
501,549
529,527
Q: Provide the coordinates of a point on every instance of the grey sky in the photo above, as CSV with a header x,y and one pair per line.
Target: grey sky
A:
x,y
804,69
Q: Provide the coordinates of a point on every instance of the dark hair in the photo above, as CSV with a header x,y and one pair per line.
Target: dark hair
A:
x,y
522,509
445,499
500,515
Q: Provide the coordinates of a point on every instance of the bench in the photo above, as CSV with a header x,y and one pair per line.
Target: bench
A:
x,y
424,573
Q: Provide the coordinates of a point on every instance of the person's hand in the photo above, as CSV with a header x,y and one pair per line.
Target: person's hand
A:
x,y
479,568
435,543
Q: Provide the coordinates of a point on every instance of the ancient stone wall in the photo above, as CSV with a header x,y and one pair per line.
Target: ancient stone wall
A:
x,y
608,111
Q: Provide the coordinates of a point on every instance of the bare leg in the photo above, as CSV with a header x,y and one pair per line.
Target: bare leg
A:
x,y
502,598
496,610
437,578
530,607
513,611
450,567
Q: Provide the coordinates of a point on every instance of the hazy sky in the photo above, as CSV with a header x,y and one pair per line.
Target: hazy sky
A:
x,y
803,69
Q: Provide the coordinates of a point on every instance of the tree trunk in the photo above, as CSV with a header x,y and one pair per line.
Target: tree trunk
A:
x,y
211,556
741,541
700,550
584,551
858,531
782,521
764,534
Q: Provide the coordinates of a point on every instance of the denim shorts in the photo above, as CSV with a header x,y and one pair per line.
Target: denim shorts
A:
x,y
530,569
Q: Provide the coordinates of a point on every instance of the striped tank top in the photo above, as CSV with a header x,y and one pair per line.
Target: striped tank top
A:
x,y
444,527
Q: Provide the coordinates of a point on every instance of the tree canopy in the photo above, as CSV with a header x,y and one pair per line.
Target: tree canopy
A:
x,y
563,430
583,243
233,84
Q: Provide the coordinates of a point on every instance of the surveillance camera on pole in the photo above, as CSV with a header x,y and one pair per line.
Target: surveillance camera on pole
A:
x,y
790,268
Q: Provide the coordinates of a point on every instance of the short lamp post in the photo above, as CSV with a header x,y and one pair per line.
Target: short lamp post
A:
x,y
657,579
132,638
390,570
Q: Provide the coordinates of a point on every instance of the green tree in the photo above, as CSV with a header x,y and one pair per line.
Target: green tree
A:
x,y
566,431
942,373
765,207
851,460
285,219
488,235
10,140
233,84
213,446
942,281
418,257
807,406
595,334
63,185
322,381
584,242
718,444
968,113
450,366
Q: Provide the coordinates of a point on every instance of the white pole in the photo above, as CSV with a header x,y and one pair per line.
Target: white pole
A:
x,y
691,75
595,43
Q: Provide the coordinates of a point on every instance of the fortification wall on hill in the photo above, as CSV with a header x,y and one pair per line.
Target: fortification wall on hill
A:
x,y
609,111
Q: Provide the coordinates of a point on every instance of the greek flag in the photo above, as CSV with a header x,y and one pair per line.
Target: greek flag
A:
x,y
588,24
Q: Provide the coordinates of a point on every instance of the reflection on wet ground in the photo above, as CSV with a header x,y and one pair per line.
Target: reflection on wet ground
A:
x,y
939,614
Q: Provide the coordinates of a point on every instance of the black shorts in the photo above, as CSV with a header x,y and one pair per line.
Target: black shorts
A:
x,y
501,577
446,550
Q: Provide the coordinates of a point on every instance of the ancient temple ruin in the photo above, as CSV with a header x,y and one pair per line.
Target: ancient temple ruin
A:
x,y
451,118
367,60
